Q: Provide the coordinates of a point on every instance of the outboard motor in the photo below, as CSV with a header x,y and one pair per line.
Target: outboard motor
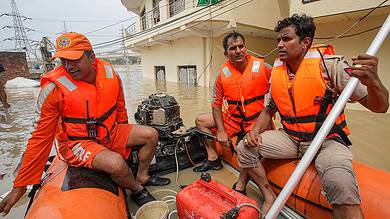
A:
x,y
162,112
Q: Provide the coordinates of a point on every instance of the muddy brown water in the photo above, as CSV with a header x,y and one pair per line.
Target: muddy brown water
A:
x,y
370,131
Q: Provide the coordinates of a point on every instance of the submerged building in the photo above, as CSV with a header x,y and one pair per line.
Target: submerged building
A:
x,y
181,40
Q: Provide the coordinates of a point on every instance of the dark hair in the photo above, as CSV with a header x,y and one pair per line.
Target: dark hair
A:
x,y
304,25
89,53
234,35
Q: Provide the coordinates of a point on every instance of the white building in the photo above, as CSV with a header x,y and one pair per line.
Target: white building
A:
x,y
181,40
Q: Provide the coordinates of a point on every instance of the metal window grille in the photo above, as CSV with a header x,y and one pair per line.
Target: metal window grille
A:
x,y
175,7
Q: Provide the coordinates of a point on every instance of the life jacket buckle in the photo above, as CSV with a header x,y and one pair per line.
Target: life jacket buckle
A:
x,y
92,125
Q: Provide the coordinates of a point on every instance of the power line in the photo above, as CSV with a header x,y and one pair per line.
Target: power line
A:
x,y
22,43
328,39
119,22
167,24
118,40
350,35
74,21
356,23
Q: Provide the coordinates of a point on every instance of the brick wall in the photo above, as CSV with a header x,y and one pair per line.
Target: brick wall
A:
x,y
15,65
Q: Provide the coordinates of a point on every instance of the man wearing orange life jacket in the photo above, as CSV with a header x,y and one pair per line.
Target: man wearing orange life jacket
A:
x,y
304,86
242,83
82,105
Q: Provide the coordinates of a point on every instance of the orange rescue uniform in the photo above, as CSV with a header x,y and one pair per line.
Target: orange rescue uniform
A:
x,y
304,102
243,92
63,108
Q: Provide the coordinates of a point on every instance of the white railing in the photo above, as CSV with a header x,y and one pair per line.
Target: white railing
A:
x,y
153,17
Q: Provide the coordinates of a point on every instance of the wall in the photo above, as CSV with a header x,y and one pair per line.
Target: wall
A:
x,y
330,7
179,52
183,52
15,65
352,46
260,13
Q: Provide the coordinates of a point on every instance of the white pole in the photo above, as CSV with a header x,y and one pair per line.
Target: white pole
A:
x,y
325,128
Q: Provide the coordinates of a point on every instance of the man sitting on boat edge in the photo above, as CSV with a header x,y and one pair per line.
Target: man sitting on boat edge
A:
x,y
304,86
82,105
241,83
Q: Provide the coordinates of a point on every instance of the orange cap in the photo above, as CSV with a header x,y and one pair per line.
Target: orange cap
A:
x,y
72,46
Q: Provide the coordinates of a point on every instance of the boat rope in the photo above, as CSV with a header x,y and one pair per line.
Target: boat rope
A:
x,y
36,187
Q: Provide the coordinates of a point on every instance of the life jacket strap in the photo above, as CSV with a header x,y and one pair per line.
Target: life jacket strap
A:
x,y
245,118
247,101
92,125
309,136
84,120
298,119
330,98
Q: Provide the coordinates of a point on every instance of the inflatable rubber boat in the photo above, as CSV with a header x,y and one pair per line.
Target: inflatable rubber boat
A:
x,y
307,198
69,192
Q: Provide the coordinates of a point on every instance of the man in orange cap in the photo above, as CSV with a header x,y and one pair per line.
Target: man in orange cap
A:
x,y
82,105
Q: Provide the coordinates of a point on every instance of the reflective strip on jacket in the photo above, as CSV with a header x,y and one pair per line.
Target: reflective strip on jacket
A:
x,y
244,92
304,103
85,102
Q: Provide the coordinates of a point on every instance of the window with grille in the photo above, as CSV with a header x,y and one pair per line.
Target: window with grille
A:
x,y
156,11
175,7
143,19
187,74
159,72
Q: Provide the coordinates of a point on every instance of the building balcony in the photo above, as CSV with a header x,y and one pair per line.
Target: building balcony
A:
x,y
171,19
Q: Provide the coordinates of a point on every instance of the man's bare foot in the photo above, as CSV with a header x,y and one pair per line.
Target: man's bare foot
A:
x,y
266,206
268,201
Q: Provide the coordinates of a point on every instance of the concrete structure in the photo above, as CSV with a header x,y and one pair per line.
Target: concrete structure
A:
x,y
185,41
15,65
182,42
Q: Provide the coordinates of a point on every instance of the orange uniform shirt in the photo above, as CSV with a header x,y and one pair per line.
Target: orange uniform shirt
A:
x,y
48,113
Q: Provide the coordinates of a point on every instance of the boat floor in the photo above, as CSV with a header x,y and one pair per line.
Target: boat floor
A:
x,y
226,176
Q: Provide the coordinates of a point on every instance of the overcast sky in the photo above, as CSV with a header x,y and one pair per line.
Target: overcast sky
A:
x,y
79,15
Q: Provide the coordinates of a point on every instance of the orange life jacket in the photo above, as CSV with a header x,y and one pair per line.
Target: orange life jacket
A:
x,y
244,92
304,103
89,111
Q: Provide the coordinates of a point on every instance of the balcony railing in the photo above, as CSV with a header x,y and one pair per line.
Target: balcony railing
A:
x,y
152,18
132,29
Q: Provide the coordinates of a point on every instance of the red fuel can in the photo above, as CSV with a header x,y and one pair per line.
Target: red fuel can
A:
x,y
209,200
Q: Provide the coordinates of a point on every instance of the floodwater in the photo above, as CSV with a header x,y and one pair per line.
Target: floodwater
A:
x,y
370,134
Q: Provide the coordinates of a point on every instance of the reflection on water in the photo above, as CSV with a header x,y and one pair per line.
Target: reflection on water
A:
x,y
369,130
16,126
191,99
16,122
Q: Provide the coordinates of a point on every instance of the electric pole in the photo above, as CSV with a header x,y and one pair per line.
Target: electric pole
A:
x,y
124,46
22,43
